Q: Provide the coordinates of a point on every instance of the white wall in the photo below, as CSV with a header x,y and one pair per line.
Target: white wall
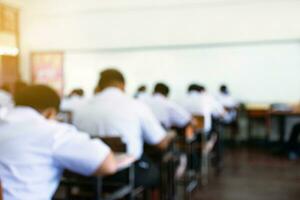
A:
x,y
255,73
91,26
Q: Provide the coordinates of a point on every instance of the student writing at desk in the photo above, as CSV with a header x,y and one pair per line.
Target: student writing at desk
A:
x,y
73,100
111,113
35,148
199,102
231,106
166,111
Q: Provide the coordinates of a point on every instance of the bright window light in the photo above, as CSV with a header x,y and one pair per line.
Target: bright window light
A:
x,y
9,51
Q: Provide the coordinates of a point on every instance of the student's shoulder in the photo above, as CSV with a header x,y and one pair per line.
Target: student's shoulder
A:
x,y
60,128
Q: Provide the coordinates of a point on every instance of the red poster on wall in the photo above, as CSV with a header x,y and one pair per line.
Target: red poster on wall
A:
x,y
47,68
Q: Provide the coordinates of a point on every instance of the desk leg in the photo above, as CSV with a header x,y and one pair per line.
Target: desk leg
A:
x,y
249,130
282,125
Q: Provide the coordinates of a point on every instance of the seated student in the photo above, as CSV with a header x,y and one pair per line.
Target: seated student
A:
x,y
225,98
112,113
35,149
6,99
73,100
141,92
199,102
166,111
231,106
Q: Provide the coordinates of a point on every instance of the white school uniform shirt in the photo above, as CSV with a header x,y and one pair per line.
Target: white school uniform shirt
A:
x,y
6,99
35,151
71,103
112,113
167,112
205,105
143,96
227,100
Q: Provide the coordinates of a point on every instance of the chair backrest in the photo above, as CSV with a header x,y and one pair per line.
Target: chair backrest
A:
x,y
115,143
198,122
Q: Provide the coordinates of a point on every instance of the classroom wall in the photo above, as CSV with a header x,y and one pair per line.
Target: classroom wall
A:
x,y
86,30
253,72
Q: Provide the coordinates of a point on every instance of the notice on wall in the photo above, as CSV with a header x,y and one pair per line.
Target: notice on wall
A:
x,y
47,68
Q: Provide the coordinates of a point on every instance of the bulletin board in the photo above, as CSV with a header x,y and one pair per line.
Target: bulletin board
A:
x,y
47,68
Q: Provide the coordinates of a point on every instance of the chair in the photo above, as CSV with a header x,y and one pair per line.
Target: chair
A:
x,y
205,146
77,187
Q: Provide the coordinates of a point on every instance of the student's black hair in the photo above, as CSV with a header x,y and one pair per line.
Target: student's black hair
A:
x,y
142,88
196,88
6,88
110,77
224,89
161,88
38,97
78,92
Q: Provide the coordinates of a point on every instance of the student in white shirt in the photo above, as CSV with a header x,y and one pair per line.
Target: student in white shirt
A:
x,y
199,102
231,106
166,111
35,149
141,91
225,98
73,100
112,113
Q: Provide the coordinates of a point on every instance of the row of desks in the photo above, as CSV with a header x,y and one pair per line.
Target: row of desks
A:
x,y
266,113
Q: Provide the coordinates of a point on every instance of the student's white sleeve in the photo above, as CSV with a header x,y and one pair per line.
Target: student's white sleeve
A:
x,y
178,115
75,151
153,132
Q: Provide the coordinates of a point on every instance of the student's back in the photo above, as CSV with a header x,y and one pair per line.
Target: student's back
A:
x,y
169,113
34,150
112,113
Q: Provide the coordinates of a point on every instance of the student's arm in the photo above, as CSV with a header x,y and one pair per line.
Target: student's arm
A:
x,y
153,132
76,152
165,142
108,167
178,115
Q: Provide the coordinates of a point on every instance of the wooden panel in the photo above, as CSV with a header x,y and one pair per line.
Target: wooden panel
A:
x,y
8,19
9,69
1,17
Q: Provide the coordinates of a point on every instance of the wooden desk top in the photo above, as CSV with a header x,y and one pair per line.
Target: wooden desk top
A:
x,y
295,112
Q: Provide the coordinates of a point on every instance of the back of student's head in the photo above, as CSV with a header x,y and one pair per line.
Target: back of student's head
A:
x,y
111,78
142,88
224,89
196,88
38,97
6,88
77,92
161,88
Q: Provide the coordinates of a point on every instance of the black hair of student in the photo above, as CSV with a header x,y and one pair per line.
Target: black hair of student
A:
x,y
161,88
38,97
78,92
224,89
142,88
110,77
6,88
196,88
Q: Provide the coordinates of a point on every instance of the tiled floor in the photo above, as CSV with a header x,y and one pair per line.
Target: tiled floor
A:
x,y
253,175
